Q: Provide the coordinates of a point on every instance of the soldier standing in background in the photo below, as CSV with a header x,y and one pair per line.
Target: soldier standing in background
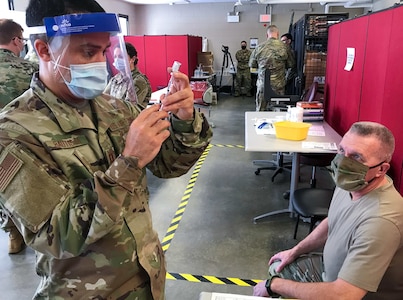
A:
x,y
291,73
243,71
15,72
15,76
272,55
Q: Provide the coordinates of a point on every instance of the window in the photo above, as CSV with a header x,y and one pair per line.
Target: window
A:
x,y
124,24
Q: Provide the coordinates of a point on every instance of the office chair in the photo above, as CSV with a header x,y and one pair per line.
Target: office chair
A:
x,y
311,203
276,103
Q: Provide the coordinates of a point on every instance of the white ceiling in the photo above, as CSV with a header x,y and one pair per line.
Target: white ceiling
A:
x,y
176,1
346,3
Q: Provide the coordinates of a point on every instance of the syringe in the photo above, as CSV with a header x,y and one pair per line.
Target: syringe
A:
x,y
175,67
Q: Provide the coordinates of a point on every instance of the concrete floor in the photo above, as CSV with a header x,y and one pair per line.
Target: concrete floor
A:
x,y
216,235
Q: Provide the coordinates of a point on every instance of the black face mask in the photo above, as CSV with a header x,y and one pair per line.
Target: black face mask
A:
x,y
243,47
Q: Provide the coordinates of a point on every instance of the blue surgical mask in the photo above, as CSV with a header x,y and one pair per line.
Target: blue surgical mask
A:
x,y
119,64
87,80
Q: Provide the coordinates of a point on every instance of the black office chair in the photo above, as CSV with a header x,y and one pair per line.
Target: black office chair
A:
x,y
315,160
311,203
278,165
276,103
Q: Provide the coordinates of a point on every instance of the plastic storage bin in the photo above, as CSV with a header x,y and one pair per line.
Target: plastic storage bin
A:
x,y
295,131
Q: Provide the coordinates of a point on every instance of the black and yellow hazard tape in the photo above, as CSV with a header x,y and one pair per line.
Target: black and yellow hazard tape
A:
x,y
228,146
166,241
212,279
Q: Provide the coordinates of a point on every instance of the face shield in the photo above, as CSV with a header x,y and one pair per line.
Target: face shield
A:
x,y
121,85
80,46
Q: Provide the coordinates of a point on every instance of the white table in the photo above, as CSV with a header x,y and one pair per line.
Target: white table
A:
x,y
155,96
269,143
225,296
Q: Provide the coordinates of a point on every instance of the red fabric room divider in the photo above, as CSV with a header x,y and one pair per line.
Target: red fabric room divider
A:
x,y
372,90
138,43
347,88
157,52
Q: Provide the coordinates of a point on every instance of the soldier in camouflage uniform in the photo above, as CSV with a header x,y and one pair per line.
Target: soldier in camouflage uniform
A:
x,y
119,86
15,76
15,72
290,73
243,71
81,159
272,55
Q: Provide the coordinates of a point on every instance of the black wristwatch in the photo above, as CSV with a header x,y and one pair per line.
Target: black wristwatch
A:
x,y
267,285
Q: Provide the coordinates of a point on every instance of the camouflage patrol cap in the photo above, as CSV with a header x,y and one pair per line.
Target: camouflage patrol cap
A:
x,y
37,10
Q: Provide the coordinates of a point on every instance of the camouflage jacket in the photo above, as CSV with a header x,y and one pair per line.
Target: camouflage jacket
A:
x,y
142,86
82,206
291,72
273,55
119,86
242,56
15,76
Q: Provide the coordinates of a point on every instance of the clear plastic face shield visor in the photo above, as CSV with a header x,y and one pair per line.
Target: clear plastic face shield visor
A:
x,y
82,50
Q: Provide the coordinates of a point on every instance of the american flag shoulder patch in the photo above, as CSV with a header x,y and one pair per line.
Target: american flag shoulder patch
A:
x,y
9,167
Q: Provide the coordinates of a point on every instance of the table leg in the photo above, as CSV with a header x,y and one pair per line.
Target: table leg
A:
x,y
293,186
294,180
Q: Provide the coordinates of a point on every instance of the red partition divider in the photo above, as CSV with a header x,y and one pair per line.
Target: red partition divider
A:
x,y
156,61
375,67
138,43
372,90
348,87
158,52
392,111
177,49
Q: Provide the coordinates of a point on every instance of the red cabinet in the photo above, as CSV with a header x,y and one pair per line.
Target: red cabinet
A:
x,y
157,52
372,90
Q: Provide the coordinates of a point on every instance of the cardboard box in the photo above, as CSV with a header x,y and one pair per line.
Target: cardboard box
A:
x,y
208,69
205,58
315,68
315,59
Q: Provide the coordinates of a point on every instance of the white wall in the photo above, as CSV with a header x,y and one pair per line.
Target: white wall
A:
x,y
381,4
210,20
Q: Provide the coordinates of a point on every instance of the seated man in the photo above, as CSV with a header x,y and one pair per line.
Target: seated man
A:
x,y
362,236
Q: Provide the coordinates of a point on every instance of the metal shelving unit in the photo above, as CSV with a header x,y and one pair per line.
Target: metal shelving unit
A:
x,y
310,45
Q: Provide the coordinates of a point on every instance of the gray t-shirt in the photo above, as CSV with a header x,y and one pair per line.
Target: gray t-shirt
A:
x,y
365,242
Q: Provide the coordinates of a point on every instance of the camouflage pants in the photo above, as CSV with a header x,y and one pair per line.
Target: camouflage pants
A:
x,y
243,79
261,104
306,268
5,221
